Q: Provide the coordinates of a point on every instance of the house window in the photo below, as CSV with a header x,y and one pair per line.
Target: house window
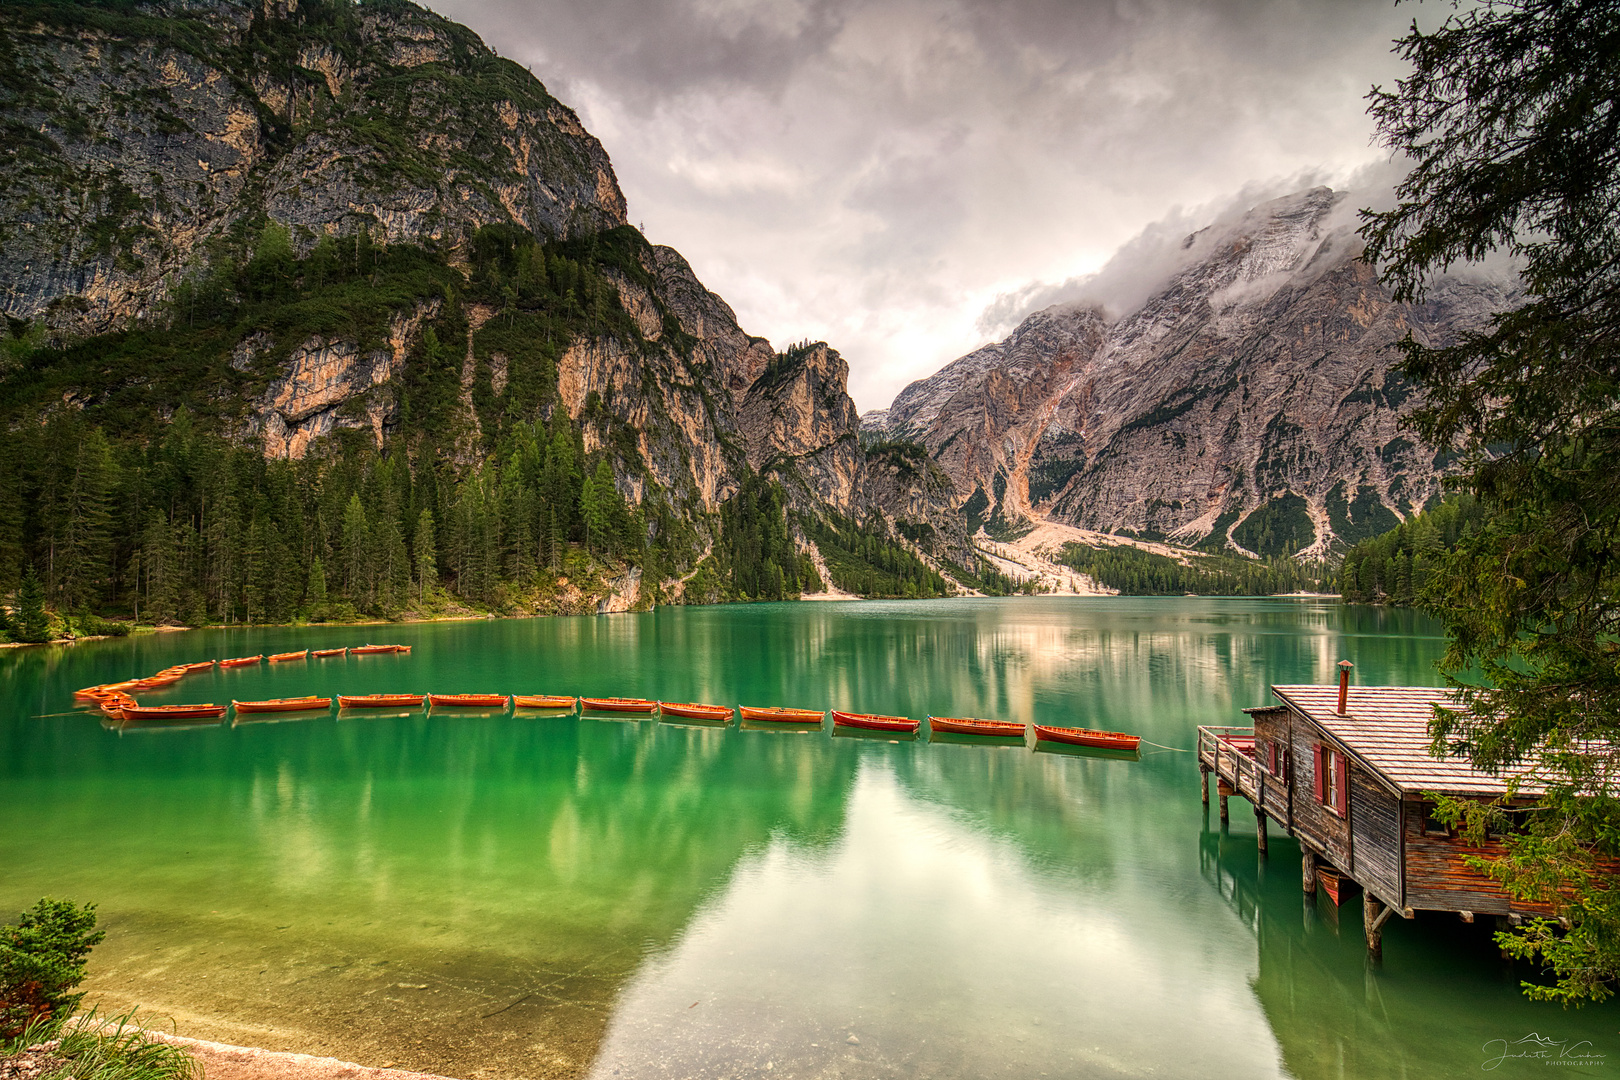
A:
x,y
1276,759
1332,780
1433,826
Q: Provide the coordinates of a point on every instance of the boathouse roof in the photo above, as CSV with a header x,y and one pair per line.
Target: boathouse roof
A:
x,y
1387,728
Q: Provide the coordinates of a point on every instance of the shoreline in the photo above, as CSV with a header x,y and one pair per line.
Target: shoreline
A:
x,y
822,597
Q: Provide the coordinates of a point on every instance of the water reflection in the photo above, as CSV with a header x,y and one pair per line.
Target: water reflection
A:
x,y
510,894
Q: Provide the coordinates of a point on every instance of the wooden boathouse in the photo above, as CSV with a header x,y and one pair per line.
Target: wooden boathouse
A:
x,y
1345,770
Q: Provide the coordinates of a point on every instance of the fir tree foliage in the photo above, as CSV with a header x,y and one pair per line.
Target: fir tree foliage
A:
x,y
1510,118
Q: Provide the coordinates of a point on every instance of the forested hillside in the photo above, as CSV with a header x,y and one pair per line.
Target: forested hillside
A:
x,y
387,348
1394,567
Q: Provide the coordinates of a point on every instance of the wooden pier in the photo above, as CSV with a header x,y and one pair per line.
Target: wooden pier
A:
x,y
1346,771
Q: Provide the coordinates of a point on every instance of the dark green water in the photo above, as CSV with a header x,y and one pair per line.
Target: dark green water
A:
x,y
499,896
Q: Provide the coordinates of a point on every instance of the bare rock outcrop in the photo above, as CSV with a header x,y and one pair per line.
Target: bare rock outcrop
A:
x,y
1252,400
130,150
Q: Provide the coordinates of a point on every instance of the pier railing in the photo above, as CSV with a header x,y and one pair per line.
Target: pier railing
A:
x,y
1228,752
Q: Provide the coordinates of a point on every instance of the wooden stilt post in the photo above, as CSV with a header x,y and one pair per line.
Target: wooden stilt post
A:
x,y
1307,870
1203,779
1373,917
1225,814
1260,829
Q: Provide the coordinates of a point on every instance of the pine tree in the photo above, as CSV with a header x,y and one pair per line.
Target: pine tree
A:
x,y
315,589
427,557
356,551
33,625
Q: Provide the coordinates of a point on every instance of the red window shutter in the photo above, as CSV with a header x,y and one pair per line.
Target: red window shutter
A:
x,y
1341,784
1321,780
1271,758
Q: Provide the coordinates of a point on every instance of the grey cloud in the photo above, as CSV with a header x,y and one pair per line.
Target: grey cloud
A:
x,y
885,173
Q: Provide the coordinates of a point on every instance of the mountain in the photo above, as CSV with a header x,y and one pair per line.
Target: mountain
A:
x,y
309,283
1251,402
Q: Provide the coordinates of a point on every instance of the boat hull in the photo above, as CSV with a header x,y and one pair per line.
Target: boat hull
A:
x,y
874,722
543,701
776,715
469,701
283,705
241,661
282,658
689,710
372,650
173,712
329,652
620,705
956,725
380,701
1097,740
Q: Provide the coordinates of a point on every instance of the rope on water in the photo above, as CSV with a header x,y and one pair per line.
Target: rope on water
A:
x,y
1161,746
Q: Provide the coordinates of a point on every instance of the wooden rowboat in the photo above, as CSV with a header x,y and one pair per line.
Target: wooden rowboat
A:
x,y
112,705
1336,886
543,701
156,682
619,704
957,725
472,701
173,712
694,711
777,714
367,650
282,657
242,661
330,652
285,704
90,693
1100,740
379,701
874,721
201,665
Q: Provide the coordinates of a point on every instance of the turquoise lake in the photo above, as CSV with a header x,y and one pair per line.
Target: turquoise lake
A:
x,y
531,896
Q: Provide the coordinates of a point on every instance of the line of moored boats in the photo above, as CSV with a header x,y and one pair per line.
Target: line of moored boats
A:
x,y
116,701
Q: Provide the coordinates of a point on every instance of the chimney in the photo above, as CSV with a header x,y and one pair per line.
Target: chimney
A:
x,y
1344,684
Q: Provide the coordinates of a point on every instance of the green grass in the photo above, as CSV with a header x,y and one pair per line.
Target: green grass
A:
x,y
114,1049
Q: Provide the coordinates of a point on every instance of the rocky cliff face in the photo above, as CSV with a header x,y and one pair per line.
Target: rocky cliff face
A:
x,y
136,137
1250,401
247,150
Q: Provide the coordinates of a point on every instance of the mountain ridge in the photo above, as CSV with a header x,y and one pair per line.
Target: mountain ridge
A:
x,y
1250,402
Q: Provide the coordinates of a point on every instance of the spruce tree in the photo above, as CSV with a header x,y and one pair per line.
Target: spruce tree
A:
x,y
1509,121
33,625
426,556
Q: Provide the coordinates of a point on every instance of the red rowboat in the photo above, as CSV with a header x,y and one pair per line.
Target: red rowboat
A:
x,y
242,661
156,682
173,712
285,704
694,711
201,665
479,701
957,725
330,652
619,704
1099,740
90,693
543,701
873,722
1336,887
284,656
777,714
379,701
367,650
113,704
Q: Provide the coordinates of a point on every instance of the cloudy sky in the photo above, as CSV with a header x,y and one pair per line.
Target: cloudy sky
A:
x,y
905,178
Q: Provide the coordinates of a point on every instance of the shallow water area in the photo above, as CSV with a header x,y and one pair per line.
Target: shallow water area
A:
x,y
535,894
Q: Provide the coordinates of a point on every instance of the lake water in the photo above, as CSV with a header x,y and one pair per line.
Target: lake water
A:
x,y
532,897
